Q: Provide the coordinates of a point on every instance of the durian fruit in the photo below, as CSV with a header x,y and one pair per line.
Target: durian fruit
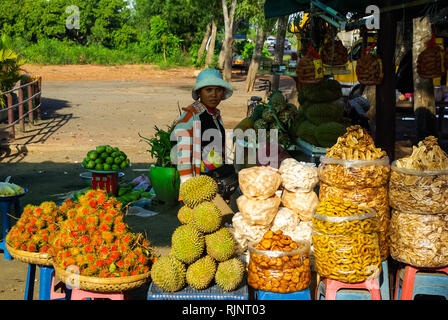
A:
x,y
201,273
185,215
230,274
198,189
220,245
206,217
168,273
187,243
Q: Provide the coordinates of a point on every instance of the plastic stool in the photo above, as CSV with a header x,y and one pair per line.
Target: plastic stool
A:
x,y
328,289
105,181
384,281
427,281
54,294
298,295
5,205
77,294
45,282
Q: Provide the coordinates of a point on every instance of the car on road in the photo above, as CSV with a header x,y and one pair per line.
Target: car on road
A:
x,y
271,41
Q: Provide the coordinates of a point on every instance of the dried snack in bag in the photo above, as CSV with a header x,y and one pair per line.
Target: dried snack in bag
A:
x,y
279,264
245,232
285,220
259,182
302,203
420,240
298,176
256,211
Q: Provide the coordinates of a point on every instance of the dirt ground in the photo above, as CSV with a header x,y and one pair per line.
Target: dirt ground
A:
x,y
88,105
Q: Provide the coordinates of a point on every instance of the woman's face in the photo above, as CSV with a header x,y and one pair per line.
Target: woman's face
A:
x,y
211,96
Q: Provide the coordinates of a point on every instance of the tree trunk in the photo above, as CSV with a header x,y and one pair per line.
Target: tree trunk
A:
x,y
211,46
256,58
228,39
204,41
424,101
279,48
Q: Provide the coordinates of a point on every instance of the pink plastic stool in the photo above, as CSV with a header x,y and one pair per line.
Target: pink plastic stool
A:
x,y
89,295
332,287
54,294
407,289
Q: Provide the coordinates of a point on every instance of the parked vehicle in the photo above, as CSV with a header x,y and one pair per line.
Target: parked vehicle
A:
x,y
271,41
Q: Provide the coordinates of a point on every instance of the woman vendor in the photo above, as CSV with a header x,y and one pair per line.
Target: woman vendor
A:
x,y
199,131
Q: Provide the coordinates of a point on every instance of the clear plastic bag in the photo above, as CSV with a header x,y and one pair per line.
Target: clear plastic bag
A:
x,y
354,174
423,192
420,240
363,223
259,182
279,271
350,259
302,203
258,211
298,176
245,233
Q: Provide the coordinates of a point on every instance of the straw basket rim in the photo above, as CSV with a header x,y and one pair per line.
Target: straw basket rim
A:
x,y
106,285
30,257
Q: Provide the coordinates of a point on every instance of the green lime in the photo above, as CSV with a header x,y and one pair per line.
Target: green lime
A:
x,y
123,155
99,166
115,167
146,194
93,155
100,149
106,166
104,155
115,149
127,162
110,160
118,160
113,154
109,149
91,164
123,165
99,161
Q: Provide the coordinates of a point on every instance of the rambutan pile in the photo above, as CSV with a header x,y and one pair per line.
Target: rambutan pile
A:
x,y
95,238
36,228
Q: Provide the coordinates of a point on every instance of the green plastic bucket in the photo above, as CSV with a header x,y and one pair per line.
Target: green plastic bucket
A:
x,y
166,183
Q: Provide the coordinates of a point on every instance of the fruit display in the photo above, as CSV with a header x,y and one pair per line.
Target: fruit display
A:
x,y
333,52
105,158
320,119
276,114
355,170
202,249
345,241
369,68
309,69
126,193
430,62
95,239
419,182
36,228
279,264
10,189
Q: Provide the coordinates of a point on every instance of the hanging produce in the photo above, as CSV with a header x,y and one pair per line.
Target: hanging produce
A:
x,y
309,68
333,52
369,68
430,62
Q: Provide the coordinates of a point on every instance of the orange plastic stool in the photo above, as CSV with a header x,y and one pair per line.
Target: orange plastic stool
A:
x,y
89,295
406,292
332,286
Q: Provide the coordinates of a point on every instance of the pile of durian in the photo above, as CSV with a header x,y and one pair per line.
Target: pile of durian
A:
x,y
202,249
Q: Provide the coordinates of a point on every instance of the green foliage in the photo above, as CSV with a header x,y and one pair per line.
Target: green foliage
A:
x,y
160,146
248,51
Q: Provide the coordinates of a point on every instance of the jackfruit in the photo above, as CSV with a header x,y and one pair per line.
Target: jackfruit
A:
x,y
198,189
328,133
327,90
306,131
319,113
201,273
220,245
206,217
230,274
168,273
187,243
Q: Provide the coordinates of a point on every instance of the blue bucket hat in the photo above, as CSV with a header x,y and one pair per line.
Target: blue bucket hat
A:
x,y
211,77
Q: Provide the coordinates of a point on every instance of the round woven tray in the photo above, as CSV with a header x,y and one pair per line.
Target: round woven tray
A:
x,y
30,257
104,285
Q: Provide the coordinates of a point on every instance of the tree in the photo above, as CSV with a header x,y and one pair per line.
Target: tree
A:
x,y
279,47
226,59
211,46
204,40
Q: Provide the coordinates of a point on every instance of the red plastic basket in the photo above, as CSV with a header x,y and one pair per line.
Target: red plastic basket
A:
x,y
105,181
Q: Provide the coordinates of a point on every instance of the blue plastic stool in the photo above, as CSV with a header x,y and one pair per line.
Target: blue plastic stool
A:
x,y
426,282
46,273
384,281
298,295
5,205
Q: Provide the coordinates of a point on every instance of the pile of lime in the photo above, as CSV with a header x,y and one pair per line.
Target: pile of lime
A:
x,y
127,193
106,158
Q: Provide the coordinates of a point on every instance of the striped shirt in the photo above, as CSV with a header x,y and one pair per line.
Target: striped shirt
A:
x,y
187,132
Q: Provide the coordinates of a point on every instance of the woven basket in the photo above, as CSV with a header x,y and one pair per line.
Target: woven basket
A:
x,y
104,285
43,259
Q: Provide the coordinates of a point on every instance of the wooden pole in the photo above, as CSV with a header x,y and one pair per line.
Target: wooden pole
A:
x,y
21,118
385,92
12,133
30,105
